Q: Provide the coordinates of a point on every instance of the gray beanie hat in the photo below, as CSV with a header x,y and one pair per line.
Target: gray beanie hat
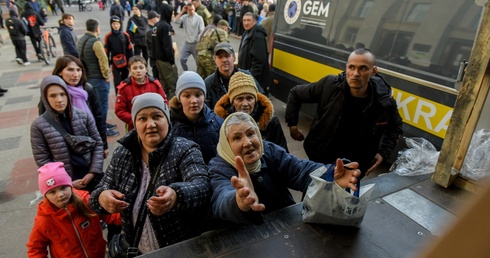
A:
x,y
147,100
188,80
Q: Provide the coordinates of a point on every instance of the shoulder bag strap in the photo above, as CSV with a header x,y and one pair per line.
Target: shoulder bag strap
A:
x,y
56,126
81,54
83,47
133,249
217,34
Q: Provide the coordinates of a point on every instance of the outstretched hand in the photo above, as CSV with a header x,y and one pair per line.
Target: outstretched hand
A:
x,y
246,198
161,204
346,176
111,201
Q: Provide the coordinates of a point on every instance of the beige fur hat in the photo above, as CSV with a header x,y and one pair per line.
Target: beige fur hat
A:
x,y
241,83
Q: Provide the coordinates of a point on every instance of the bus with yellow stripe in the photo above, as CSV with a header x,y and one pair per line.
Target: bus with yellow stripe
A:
x,y
420,46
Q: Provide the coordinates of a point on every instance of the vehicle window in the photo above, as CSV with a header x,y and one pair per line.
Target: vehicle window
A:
x,y
427,40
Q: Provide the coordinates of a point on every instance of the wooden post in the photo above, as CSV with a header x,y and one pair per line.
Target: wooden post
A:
x,y
467,110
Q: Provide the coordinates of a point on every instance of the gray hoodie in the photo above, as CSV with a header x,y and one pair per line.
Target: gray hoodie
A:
x,y
48,144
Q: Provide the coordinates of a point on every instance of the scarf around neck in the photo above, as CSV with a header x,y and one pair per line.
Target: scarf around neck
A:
x,y
79,99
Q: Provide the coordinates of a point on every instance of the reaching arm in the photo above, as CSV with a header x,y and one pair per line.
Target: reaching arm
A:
x,y
245,196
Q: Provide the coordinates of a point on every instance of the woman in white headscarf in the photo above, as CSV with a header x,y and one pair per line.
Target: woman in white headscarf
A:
x,y
260,173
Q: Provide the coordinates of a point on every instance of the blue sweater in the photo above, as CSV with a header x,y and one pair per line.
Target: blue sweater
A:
x,y
68,41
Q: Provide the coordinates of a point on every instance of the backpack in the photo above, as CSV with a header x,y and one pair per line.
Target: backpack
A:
x,y
32,20
208,42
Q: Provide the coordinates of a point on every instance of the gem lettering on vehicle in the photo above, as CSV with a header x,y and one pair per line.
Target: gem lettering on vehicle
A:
x,y
316,8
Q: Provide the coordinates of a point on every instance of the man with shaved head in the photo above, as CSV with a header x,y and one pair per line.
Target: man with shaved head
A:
x,y
357,117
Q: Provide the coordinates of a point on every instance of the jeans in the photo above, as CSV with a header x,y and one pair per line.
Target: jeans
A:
x,y
102,88
231,23
187,50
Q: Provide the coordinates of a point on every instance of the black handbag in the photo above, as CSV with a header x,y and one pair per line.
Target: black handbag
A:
x,y
119,246
78,143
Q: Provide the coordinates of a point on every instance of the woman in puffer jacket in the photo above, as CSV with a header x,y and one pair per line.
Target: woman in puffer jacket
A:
x,y
48,144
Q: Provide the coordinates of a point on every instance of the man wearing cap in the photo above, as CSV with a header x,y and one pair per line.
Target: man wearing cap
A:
x,y
212,35
163,52
253,54
153,18
217,82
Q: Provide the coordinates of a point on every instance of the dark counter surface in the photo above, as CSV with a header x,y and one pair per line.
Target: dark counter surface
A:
x,y
395,225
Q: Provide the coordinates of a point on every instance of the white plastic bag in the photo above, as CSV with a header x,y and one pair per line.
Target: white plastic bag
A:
x,y
419,159
327,203
476,164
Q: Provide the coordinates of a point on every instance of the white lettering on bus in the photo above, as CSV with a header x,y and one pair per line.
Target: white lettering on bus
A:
x,y
423,114
316,8
403,104
444,122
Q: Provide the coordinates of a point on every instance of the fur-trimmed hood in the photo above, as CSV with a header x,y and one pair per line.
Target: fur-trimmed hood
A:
x,y
263,110
174,103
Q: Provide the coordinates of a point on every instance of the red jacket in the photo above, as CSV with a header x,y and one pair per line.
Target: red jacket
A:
x,y
66,233
127,90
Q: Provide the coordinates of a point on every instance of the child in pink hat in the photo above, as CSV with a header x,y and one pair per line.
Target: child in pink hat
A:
x,y
64,223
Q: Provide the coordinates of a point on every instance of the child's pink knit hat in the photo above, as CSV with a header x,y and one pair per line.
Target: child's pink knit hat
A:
x,y
52,175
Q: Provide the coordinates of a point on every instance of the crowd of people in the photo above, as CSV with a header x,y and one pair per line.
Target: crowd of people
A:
x,y
197,149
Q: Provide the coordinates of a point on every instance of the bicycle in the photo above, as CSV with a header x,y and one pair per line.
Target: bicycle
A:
x,y
85,5
48,45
